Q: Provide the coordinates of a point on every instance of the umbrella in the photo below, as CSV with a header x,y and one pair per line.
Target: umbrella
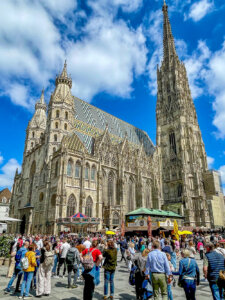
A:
x,y
175,229
184,232
110,232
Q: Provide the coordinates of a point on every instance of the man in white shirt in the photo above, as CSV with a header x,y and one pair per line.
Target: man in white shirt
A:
x,y
62,259
38,242
87,243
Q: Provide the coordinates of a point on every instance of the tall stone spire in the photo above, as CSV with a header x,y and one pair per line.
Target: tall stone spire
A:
x,y
40,104
63,78
169,49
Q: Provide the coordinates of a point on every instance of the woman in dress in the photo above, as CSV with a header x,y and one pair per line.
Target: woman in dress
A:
x,y
130,256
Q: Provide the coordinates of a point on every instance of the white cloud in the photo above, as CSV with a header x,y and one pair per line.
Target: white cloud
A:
x,y
200,9
222,172
1,159
8,172
210,161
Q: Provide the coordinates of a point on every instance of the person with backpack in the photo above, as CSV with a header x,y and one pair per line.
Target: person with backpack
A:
x,y
91,258
45,271
110,263
28,264
18,272
72,262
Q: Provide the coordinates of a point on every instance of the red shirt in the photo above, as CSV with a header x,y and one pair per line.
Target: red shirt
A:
x,y
95,253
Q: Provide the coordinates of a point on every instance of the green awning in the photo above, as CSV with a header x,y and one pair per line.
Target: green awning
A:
x,y
154,212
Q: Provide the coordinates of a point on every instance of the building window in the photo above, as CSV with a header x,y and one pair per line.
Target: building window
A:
x,y
33,134
71,206
110,188
88,208
53,200
56,169
55,137
66,115
179,190
93,173
86,173
77,169
65,126
69,168
57,114
41,197
56,125
173,142
32,144
116,219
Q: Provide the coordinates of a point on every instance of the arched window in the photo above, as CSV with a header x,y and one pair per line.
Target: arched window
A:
x,y
54,149
53,200
55,137
87,171
65,126
173,142
32,144
69,168
88,208
116,219
57,114
56,125
56,169
179,190
71,206
41,197
19,204
66,115
33,134
93,173
77,169
110,188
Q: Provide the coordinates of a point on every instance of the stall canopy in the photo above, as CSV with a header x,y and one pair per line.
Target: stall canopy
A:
x,y
8,219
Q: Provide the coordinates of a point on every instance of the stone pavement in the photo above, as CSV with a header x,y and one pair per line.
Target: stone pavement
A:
x,y
123,291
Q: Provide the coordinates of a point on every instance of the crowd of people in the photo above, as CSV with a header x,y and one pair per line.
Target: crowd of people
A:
x,y
154,265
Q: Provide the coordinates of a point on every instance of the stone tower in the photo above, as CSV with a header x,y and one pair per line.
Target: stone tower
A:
x,y
179,141
37,125
60,112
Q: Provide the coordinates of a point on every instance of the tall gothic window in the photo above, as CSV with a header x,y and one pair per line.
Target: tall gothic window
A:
x,y
56,125
77,169
110,188
173,142
71,206
93,173
69,168
57,114
56,169
55,137
33,134
65,126
179,190
66,115
87,171
116,219
130,195
88,208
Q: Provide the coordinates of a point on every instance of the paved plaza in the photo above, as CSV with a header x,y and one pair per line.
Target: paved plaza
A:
x,y
122,288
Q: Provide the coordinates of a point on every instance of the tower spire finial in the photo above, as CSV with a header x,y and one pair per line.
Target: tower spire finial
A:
x,y
64,78
42,99
168,40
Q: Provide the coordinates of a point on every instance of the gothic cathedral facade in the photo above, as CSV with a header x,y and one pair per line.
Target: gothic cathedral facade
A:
x,y
78,158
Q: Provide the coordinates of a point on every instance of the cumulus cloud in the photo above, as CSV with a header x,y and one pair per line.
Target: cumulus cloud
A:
x,y
200,9
7,173
210,161
1,159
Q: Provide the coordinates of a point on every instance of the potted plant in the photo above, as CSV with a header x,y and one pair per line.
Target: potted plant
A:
x,y
5,243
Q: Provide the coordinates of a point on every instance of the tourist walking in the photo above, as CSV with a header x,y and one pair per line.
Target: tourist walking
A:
x,y
200,248
123,247
62,257
28,266
157,264
45,271
72,262
212,265
110,263
18,271
91,259
189,274
130,256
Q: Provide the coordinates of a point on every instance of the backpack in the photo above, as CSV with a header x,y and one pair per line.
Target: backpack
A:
x,y
70,257
24,263
88,262
132,275
49,258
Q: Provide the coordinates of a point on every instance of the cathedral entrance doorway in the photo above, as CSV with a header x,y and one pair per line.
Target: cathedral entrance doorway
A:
x,y
23,225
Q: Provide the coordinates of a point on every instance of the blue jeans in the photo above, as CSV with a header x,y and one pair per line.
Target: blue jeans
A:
x,y
217,291
109,277
55,264
170,294
27,278
19,273
35,273
189,288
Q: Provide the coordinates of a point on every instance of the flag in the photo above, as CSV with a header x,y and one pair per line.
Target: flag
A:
x,y
175,229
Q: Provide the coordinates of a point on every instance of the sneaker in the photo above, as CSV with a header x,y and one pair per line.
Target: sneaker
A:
x,y
27,297
46,295
74,286
55,276
6,291
20,297
111,297
105,297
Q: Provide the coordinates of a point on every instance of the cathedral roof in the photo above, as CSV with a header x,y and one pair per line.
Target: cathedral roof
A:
x,y
72,142
90,122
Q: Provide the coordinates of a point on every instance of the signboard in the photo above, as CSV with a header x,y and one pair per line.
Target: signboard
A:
x,y
166,223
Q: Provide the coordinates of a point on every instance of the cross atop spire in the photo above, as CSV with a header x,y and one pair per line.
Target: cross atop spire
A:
x,y
169,49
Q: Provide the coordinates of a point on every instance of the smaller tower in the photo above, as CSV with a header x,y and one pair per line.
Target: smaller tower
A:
x,y
37,125
60,112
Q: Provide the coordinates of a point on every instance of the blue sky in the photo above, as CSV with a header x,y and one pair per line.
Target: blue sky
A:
x,y
112,50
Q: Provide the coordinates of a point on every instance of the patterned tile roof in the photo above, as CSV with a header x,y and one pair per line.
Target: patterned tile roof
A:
x,y
90,122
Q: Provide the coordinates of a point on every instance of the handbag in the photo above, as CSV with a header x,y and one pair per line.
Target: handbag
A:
x,y
180,280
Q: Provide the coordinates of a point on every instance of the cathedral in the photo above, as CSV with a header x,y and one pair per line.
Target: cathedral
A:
x,y
78,158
